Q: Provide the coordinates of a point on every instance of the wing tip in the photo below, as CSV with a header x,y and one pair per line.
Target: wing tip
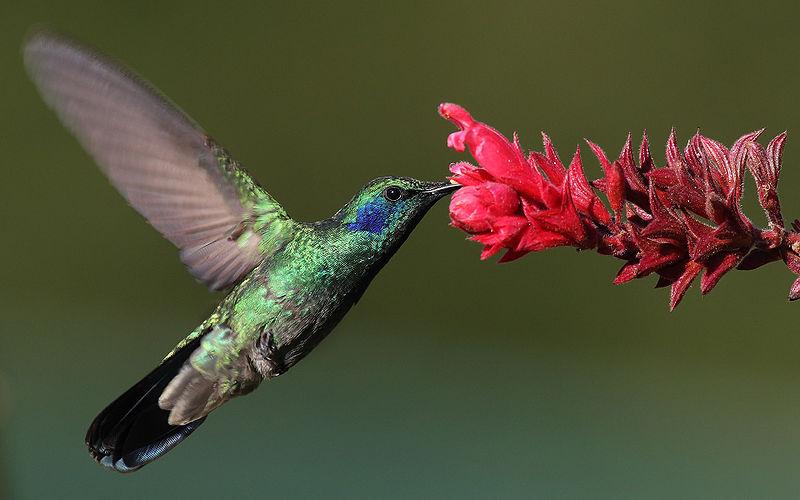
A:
x,y
42,34
38,31
43,38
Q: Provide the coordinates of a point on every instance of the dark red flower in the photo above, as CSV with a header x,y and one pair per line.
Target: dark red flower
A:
x,y
677,221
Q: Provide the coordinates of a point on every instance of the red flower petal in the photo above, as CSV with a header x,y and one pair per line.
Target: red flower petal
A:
x,y
645,158
794,291
563,220
503,231
765,167
628,272
716,267
614,180
490,250
683,283
553,167
664,224
535,239
475,209
757,258
775,155
633,173
656,256
468,175
584,197
491,149
719,154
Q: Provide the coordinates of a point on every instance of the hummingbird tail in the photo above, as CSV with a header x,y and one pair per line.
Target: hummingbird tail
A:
x,y
133,430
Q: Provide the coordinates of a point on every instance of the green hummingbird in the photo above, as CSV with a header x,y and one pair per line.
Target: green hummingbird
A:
x,y
289,282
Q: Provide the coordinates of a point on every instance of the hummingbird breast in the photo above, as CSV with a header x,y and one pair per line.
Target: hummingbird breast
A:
x,y
291,302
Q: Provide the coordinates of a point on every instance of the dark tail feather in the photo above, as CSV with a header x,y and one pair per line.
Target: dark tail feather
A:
x,y
133,431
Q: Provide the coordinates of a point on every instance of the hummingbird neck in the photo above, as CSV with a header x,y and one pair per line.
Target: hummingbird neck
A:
x,y
356,244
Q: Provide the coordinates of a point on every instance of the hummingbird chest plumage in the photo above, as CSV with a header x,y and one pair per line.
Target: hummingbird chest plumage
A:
x,y
290,303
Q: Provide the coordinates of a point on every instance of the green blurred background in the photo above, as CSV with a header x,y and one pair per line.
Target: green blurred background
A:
x,y
452,377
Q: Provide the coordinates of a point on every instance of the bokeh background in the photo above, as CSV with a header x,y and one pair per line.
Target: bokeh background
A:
x,y
452,377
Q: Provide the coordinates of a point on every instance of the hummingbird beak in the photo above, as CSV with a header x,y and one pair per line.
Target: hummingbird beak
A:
x,y
438,190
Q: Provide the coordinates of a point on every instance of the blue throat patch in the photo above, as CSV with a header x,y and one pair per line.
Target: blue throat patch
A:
x,y
371,217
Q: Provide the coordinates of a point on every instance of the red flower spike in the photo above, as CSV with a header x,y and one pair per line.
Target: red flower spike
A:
x,y
775,155
667,177
552,155
535,239
663,282
709,174
550,188
628,272
794,291
637,211
563,220
792,261
503,234
645,159
682,284
626,155
757,258
765,170
664,224
489,250
674,157
585,198
633,173
719,154
656,256
614,182
555,172
511,255
526,202
721,238
716,267
667,276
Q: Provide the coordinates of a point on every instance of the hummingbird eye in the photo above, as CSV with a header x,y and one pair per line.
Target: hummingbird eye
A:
x,y
393,193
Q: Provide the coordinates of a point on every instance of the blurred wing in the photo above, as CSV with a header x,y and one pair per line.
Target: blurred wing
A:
x,y
163,163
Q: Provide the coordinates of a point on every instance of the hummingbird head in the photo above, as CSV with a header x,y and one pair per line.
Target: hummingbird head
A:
x,y
385,211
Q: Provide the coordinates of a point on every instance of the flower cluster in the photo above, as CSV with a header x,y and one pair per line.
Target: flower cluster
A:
x,y
676,221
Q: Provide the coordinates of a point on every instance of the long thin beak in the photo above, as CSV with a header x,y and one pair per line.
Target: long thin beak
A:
x,y
440,189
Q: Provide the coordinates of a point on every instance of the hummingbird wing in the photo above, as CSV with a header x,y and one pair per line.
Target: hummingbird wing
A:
x,y
163,163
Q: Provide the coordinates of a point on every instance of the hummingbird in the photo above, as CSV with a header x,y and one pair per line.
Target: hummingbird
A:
x,y
288,282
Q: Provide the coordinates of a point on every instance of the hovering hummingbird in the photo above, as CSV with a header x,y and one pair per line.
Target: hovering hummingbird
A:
x,y
290,282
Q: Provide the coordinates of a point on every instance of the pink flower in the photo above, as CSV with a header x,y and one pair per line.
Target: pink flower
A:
x,y
499,158
544,204
676,221
474,208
